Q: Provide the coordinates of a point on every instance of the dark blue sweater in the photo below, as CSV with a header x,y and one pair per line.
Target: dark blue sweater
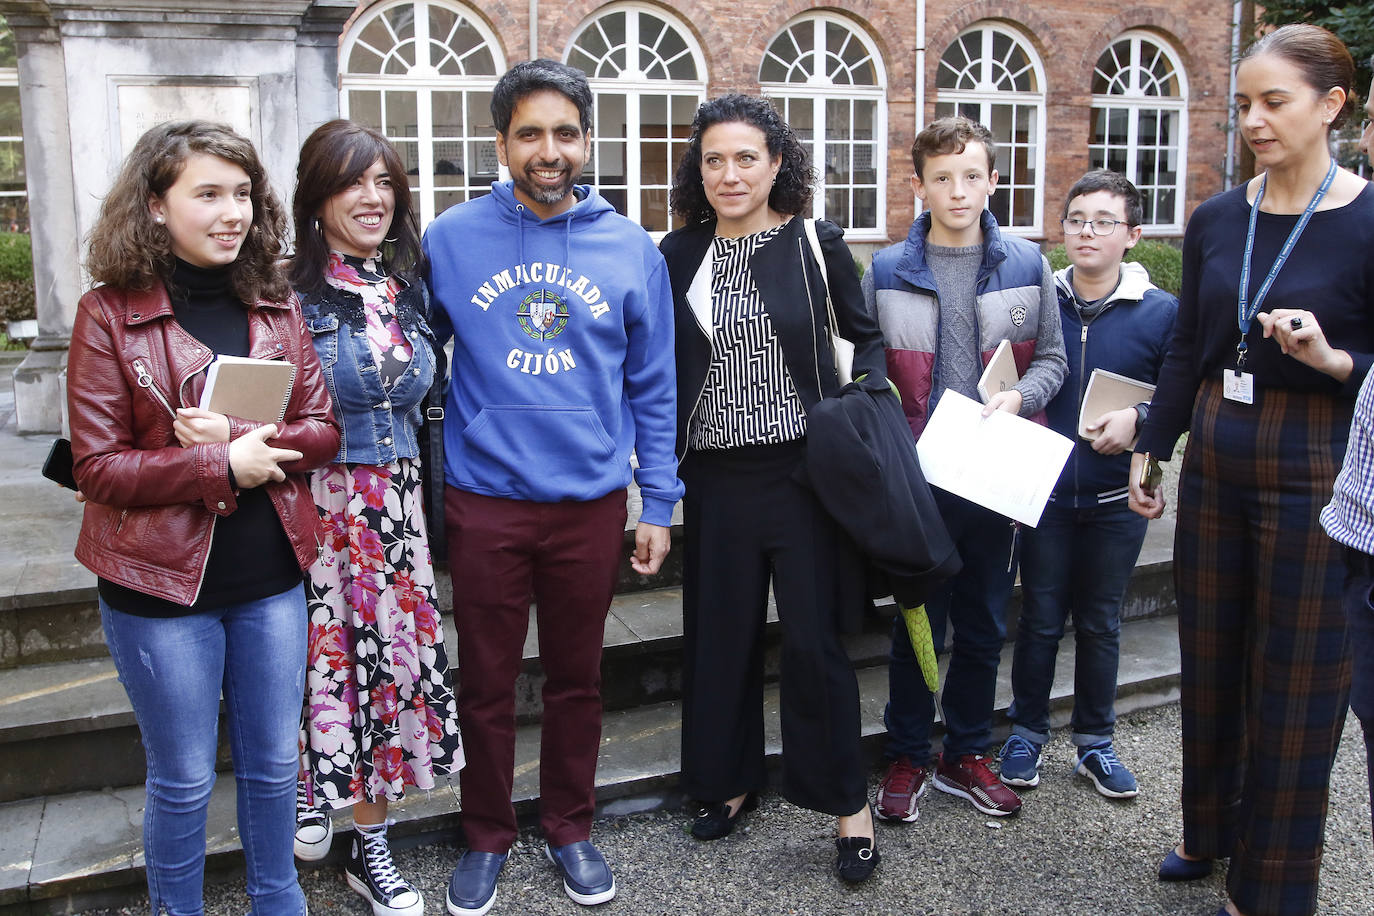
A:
x,y
1129,336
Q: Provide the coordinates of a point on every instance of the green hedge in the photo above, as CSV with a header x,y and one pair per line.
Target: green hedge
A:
x,y
16,277
1162,260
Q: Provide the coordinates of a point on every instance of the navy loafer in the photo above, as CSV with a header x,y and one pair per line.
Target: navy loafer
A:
x,y
472,888
587,878
1176,868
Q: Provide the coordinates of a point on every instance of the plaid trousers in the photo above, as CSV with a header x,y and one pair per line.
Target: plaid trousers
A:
x,y
1266,664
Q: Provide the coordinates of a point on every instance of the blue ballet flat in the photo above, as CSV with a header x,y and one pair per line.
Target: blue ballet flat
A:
x,y
1176,868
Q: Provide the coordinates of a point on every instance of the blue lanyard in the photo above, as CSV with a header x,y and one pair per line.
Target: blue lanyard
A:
x,y
1245,313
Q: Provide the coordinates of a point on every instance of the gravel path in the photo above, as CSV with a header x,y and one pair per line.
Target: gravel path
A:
x,y
1069,852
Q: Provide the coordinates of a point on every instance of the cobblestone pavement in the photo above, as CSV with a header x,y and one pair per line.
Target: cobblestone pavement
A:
x,y
1069,852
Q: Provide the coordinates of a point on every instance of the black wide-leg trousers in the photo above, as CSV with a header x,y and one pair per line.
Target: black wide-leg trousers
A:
x,y
747,521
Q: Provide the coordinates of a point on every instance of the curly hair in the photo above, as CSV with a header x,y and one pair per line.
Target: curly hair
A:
x,y
792,189
128,250
333,157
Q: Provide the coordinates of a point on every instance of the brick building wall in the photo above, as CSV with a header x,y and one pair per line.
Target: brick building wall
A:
x,y
1067,35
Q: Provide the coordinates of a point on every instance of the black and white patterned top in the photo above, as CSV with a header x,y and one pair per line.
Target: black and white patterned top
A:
x,y
749,398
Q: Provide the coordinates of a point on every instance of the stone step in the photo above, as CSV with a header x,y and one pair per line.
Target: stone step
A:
x,y
67,852
67,726
48,610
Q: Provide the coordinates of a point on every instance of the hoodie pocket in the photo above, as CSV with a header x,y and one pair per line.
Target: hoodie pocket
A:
x,y
538,449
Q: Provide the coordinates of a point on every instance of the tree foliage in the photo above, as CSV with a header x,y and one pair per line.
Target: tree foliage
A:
x,y
1352,22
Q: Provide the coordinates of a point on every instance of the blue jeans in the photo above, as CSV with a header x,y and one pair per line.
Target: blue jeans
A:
x,y
173,670
974,605
1079,562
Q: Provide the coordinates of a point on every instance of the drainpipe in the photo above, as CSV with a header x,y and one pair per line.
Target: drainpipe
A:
x,y
1231,94
920,64
534,29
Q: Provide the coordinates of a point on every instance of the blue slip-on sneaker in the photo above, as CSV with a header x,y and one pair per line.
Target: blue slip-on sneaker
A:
x,y
472,888
1020,762
1100,764
587,878
1176,868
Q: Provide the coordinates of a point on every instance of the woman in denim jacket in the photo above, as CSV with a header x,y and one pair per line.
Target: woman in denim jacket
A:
x,y
379,711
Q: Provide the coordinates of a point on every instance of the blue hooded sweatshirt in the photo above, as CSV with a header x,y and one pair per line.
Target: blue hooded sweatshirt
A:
x,y
563,352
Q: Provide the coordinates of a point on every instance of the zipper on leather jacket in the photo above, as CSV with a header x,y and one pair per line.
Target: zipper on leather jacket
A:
x,y
145,380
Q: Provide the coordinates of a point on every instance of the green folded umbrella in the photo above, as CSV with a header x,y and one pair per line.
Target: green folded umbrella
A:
x,y
918,628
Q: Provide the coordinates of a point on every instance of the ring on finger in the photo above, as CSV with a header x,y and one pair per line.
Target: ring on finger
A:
x,y
1295,322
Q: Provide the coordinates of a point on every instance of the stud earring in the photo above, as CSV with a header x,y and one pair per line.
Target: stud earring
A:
x,y
159,220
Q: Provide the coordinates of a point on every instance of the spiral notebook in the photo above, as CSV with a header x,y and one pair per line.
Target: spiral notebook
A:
x,y
248,388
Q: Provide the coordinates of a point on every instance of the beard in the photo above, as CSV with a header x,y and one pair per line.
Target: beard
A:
x,y
545,194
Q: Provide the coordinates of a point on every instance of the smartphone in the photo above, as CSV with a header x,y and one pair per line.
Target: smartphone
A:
x,y
58,466
1151,476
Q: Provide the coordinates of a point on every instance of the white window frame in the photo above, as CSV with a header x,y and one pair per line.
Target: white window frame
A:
x,y
423,79
1135,101
821,88
985,94
9,76
633,85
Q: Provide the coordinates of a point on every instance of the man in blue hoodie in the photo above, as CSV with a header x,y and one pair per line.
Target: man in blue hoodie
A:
x,y
562,321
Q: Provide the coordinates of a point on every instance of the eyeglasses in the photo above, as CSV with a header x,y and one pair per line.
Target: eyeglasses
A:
x,y
1099,226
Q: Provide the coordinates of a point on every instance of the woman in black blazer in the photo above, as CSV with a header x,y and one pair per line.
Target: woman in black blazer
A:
x,y
753,357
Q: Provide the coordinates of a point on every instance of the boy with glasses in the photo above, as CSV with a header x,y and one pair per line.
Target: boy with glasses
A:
x,y
1079,559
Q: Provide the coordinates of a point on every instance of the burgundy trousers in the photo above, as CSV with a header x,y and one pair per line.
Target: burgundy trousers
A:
x,y
564,556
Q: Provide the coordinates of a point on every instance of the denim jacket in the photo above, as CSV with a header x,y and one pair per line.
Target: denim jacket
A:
x,y
378,426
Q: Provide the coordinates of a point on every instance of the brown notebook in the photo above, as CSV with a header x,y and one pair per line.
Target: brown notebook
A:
x,y
1000,374
251,389
1108,391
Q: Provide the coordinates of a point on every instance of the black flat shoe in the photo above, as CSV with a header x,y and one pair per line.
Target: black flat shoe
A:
x,y
714,821
858,857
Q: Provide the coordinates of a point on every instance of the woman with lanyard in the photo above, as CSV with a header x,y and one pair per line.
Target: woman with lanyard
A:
x,y
1275,334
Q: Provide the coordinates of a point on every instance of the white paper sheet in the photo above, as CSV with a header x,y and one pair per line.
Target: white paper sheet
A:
x,y
1003,462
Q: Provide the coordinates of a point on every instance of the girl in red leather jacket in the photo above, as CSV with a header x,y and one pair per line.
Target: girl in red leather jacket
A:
x,y
199,525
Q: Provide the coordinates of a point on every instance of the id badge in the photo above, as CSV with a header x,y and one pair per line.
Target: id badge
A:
x,y
1238,386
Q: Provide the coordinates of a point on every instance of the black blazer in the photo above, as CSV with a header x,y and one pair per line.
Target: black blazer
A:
x,y
793,293
861,462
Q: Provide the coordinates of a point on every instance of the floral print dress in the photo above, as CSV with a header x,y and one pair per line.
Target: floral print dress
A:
x,y
379,713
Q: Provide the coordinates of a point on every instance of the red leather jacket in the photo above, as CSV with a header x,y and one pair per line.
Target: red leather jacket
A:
x,y
151,504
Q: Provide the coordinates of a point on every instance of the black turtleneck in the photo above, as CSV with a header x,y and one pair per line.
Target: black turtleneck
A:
x,y
250,556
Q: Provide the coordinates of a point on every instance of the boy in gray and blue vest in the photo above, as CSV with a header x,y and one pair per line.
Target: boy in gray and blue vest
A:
x,y
945,298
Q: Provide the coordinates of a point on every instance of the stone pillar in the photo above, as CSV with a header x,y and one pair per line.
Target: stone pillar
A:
x,y
95,73
52,209
317,62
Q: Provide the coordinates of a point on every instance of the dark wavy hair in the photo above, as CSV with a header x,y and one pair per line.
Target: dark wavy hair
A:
x,y
333,157
792,189
128,250
531,76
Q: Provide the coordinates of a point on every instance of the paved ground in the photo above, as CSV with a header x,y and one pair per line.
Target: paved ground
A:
x,y
1069,852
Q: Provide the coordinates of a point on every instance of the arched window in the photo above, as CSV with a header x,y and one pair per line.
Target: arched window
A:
x,y
1140,124
827,79
422,71
991,75
647,78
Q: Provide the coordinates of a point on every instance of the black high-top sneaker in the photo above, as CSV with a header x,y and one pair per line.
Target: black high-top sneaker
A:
x,y
314,827
370,872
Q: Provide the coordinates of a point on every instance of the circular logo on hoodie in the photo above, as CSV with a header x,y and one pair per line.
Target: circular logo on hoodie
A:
x,y
543,315
1018,315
